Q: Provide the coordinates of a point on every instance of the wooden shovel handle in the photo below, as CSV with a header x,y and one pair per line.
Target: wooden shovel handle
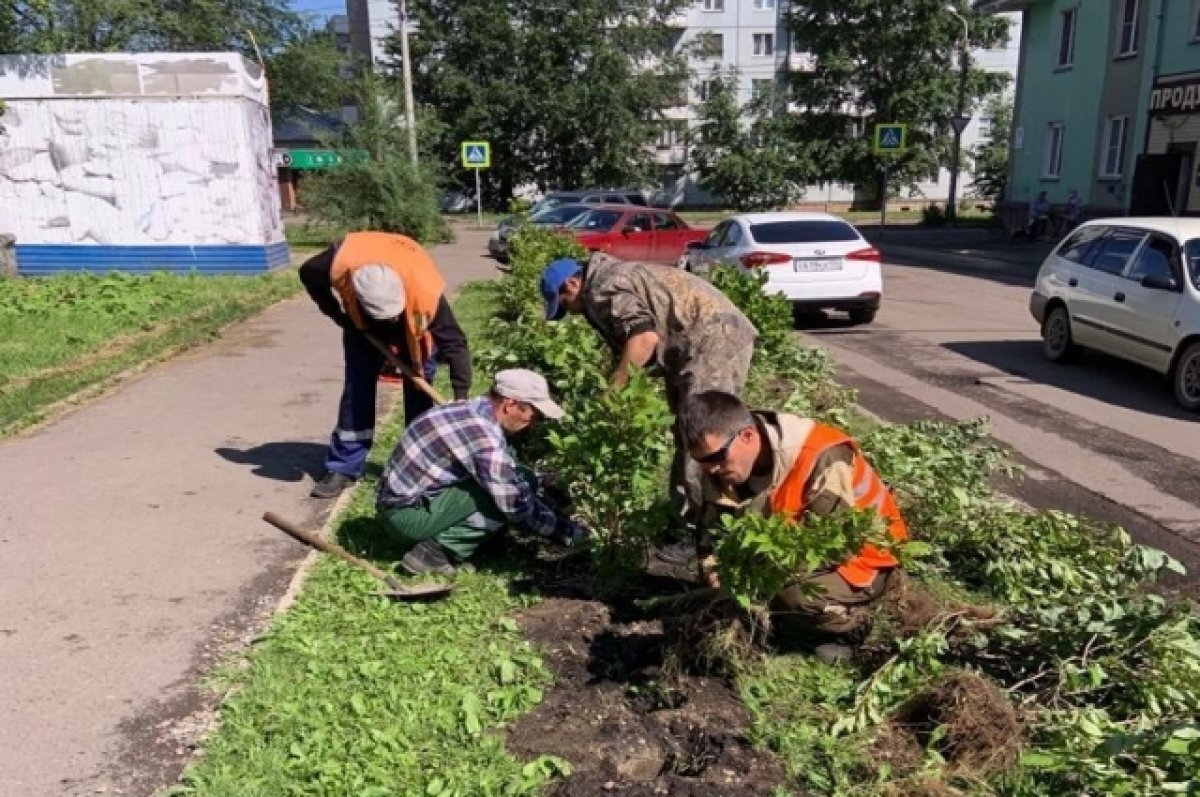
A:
x,y
331,548
409,374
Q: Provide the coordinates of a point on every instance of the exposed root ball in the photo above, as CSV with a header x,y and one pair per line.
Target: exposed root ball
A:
x,y
980,733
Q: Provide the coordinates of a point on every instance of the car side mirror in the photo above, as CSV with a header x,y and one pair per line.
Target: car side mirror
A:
x,y
1159,282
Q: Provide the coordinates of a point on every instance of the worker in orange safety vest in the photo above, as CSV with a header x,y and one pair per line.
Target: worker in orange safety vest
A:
x,y
778,463
388,286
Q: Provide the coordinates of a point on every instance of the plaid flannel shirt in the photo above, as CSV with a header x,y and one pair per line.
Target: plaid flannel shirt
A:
x,y
453,443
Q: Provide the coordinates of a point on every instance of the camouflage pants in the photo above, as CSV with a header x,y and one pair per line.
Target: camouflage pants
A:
x,y
724,366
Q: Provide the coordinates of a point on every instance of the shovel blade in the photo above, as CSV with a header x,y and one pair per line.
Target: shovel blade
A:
x,y
419,592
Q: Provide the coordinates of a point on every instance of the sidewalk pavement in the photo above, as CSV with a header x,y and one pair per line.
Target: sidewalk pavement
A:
x,y
132,554
964,249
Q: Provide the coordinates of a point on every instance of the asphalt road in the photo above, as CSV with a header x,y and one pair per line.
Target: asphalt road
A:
x,y
132,554
954,340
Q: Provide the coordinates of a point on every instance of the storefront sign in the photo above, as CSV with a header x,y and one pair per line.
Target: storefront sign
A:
x,y
1175,95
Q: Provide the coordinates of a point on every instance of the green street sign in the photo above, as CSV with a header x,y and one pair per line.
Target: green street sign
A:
x,y
315,158
476,155
891,138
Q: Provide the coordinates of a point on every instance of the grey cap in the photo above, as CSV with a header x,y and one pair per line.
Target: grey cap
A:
x,y
524,385
379,290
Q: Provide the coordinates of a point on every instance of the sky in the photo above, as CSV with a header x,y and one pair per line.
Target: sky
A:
x,y
321,8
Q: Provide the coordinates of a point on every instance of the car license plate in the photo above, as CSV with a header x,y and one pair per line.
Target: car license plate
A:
x,y
817,264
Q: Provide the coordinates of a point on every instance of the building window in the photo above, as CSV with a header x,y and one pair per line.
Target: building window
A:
x,y
707,89
1053,151
710,45
761,88
1066,37
1195,20
1112,157
764,44
673,133
764,5
713,5
1127,29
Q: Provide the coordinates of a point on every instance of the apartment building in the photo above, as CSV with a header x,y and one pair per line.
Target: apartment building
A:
x,y
750,37
371,23
1108,104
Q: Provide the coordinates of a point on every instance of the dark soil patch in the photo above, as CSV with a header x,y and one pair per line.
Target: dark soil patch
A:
x,y
981,734
623,724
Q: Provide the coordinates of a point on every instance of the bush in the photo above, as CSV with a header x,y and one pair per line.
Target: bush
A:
x,y
382,191
933,216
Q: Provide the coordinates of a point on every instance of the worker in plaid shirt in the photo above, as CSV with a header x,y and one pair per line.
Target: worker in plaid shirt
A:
x,y
452,481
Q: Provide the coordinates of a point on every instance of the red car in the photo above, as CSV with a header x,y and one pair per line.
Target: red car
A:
x,y
634,233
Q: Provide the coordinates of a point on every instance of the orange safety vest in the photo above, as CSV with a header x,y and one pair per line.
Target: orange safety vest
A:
x,y
869,493
423,283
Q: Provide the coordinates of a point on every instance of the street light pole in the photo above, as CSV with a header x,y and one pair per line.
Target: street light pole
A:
x,y
960,118
410,117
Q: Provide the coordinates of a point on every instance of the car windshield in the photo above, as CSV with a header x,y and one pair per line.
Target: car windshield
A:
x,y
802,232
1192,255
596,221
559,215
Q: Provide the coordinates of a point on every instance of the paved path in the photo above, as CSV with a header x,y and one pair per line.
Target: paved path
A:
x,y
955,340
132,556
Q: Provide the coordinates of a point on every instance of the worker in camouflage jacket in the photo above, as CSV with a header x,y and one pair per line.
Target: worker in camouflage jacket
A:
x,y
673,324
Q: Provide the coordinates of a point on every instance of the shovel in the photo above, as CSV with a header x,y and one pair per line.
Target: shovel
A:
x,y
409,374
396,590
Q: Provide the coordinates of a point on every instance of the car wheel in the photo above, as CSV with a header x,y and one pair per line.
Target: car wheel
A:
x,y
1187,378
863,315
1058,345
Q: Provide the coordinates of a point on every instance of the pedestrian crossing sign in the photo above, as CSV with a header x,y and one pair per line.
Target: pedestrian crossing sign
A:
x,y
891,138
476,155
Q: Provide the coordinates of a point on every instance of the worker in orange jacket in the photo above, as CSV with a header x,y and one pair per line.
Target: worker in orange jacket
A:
x,y
387,286
778,463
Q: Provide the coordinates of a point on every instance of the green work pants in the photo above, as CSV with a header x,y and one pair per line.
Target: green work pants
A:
x,y
459,518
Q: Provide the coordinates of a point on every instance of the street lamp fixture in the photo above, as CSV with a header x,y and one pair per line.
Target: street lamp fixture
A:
x,y
961,119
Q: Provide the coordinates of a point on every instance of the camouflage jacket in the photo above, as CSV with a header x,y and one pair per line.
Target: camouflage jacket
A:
x,y
694,321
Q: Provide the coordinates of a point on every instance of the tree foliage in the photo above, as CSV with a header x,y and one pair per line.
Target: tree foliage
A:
x,y
991,154
305,73
900,64
382,191
302,63
58,26
564,92
748,155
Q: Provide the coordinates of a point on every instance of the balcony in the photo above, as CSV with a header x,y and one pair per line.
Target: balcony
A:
x,y
801,62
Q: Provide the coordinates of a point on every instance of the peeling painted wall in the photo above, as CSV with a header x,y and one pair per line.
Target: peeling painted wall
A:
x,y
148,149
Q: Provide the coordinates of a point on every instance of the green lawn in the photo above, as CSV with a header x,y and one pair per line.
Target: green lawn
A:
x,y
65,334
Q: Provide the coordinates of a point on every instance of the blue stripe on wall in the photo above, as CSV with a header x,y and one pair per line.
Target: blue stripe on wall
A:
x,y
41,259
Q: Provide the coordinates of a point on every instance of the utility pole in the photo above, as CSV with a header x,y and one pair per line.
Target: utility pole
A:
x,y
410,116
960,120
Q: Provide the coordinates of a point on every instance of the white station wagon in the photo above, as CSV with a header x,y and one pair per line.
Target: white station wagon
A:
x,y
1131,288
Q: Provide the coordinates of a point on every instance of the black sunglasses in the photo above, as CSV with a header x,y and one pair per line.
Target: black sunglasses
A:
x,y
719,456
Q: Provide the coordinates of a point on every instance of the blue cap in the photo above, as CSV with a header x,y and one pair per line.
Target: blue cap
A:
x,y
554,277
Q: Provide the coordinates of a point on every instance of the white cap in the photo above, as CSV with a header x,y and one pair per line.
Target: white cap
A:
x,y
380,291
524,385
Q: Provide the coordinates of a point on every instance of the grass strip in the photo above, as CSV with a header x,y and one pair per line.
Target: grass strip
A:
x,y
63,335
348,694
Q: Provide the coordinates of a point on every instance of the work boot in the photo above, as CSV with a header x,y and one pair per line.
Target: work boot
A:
x,y
677,553
331,485
427,556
